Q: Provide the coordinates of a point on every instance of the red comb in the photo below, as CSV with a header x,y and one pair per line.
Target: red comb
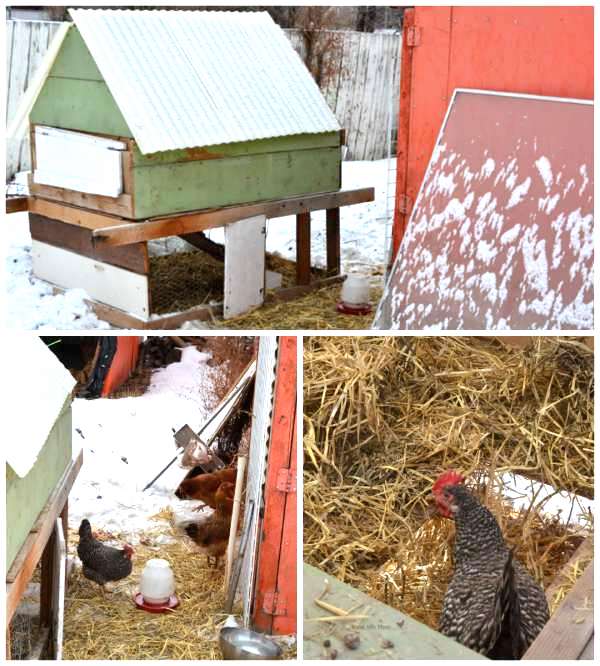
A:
x,y
449,478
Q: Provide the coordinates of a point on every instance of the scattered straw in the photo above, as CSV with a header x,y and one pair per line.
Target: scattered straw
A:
x,y
315,311
385,415
113,628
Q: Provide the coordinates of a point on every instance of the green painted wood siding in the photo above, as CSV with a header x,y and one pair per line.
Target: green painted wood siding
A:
x,y
183,186
76,97
410,639
26,497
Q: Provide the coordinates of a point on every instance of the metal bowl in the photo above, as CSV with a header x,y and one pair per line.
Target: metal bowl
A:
x,y
238,643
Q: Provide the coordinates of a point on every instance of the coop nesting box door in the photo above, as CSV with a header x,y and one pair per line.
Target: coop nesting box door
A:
x,y
79,162
244,265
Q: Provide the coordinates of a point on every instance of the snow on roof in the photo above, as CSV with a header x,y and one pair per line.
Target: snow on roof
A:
x,y
185,79
38,385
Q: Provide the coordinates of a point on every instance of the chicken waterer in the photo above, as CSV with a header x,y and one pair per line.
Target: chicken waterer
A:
x,y
157,588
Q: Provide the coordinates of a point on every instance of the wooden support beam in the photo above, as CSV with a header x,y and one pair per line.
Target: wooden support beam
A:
x,y
16,204
303,248
570,629
333,241
199,240
47,581
135,232
29,555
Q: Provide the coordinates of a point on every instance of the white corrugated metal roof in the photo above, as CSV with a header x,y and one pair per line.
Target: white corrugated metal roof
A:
x,y
34,405
185,79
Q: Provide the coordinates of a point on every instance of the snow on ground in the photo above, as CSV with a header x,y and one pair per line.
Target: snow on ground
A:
x,y
30,302
572,509
127,441
32,305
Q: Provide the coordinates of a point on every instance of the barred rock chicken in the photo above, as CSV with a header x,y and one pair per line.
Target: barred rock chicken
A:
x,y
492,604
102,563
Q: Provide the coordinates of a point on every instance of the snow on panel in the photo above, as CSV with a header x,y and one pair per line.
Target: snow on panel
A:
x,y
35,400
185,79
510,244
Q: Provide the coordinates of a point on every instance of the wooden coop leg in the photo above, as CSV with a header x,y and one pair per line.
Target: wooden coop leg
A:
x,y
303,248
244,265
333,241
47,582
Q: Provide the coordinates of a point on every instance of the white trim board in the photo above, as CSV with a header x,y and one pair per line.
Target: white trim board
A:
x,y
80,162
244,283
108,284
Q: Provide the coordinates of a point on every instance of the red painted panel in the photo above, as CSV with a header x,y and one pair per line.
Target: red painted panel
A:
x,y
123,363
534,50
276,578
501,235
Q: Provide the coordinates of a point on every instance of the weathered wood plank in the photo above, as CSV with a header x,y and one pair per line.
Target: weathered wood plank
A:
x,y
16,204
333,241
584,551
303,248
79,239
112,285
72,214
569,630
200,221
121,205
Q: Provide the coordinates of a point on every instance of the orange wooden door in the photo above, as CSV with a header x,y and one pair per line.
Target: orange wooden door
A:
x,y
275,591
534,50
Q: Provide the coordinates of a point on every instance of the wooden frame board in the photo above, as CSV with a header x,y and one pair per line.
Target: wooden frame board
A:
x,y
116,286
25,562
79,239
122,233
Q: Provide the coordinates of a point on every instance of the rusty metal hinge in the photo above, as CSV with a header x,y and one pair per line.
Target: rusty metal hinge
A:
x,y
286,480
404,204
274,603
413,36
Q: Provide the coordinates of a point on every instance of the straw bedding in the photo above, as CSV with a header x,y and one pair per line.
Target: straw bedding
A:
x,y
384,416
316,310
113,627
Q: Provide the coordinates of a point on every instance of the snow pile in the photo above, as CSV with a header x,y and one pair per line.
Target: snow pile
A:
x,y
127,441
31,303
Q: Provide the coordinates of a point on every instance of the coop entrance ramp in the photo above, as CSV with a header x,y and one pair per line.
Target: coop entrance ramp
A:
x,y
501,234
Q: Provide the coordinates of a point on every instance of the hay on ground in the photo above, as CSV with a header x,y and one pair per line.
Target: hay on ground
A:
x,y
315,311
112,627
384,416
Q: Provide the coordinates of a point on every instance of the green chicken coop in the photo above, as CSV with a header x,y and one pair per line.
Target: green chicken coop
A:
x,y
160,112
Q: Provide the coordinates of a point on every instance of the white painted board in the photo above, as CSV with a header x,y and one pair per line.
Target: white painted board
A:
x,y
244,265
108,284
77,161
